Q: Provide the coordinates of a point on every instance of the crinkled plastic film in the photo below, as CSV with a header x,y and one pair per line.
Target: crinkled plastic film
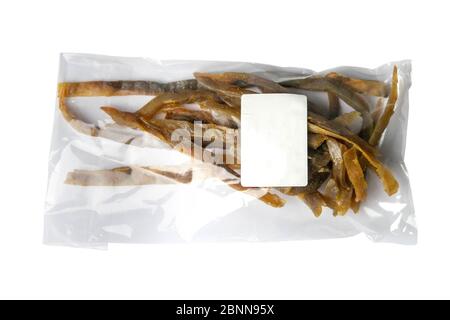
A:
x,y
110,183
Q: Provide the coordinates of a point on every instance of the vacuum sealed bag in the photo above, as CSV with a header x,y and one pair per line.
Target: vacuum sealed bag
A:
x,y
147,151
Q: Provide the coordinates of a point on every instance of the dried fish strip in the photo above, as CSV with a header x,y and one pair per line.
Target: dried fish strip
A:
x,y
223,114
210,112
383,122
127,176
214,83
130,120
124,88
355,174
262,194
234,83
336,151
70,117
314,201
191,116
362,86
157,103
336,198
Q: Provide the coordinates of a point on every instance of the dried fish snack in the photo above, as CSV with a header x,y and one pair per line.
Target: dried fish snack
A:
x,y
163,147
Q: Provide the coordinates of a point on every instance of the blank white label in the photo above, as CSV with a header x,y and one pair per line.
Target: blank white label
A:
x,y
274,140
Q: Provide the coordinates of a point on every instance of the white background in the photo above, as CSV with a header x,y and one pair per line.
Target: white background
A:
x,y
312,34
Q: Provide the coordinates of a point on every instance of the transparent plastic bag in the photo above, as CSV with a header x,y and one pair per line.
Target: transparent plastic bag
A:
x,y
99,191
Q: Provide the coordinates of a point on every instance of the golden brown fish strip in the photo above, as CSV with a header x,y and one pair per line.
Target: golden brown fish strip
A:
x,y
311,83
314,201
383,122
320,125
334,105
168,127
355,174
189,115
362,86
345,200
211,112
269,198
214,83
125,88
156,104
64,108
70,117
250,80
336,151
130,120
234,83
225,115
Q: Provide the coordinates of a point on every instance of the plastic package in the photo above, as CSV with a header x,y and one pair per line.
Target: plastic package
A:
x,y
111,183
